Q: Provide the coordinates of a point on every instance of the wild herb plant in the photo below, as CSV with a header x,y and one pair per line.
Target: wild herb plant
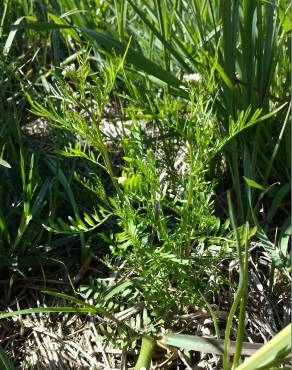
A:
x,y
157,217
154,211
156,225
183,48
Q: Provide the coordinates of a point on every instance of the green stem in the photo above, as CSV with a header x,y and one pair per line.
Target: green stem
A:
x,y
241,318
234,161
145,356
240,289
189,200
213,315
105,155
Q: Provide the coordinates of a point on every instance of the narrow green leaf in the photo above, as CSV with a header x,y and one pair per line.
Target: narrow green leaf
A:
x,y
45,310
285,237
117,289
11,37
277,348
69,298
253,184
88,220
206,345
224,77
277,200
5,362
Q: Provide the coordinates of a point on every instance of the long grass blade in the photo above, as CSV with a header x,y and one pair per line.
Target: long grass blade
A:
x,y
207,345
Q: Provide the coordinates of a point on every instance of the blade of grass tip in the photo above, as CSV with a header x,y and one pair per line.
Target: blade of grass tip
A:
x,y
25,220
68,298
213,315
3,17
4,163
4,228
22,171
11,37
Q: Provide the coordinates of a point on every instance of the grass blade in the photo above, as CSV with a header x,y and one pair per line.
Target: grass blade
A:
x,y
274,351
29,311
11,37
5,362
206,345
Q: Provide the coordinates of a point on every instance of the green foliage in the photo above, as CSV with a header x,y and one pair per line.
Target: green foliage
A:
x,y
156,215
190,93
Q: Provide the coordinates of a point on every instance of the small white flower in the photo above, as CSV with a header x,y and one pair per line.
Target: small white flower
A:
x,y
69,69
195,77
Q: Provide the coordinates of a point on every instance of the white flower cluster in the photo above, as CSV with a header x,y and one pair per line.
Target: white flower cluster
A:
x,y
68,69
195,77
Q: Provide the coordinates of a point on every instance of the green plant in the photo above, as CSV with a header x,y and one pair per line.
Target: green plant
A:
x,y
245,42
187,94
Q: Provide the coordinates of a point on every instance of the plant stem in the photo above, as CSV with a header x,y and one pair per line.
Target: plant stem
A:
x,y
189,200
240,289
145,356
241,318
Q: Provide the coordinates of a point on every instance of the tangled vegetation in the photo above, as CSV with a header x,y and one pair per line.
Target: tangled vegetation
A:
x,y
145,180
